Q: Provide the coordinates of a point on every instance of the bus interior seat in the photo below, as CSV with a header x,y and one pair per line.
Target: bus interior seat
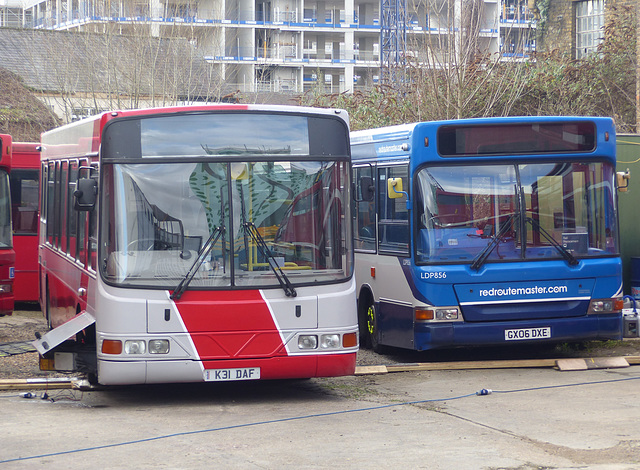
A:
x,y
367,231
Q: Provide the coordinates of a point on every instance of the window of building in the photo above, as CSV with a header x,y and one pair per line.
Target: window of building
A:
x,y
83,112
589,26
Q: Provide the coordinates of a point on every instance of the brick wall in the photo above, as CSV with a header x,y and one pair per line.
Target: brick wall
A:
x,y
558,32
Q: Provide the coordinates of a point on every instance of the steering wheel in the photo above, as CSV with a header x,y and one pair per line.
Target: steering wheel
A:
x,y
141,242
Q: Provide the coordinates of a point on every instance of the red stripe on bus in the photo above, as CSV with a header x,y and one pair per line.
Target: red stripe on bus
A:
x,y
230,324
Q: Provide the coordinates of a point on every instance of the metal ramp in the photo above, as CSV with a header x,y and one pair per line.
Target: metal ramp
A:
x,y
65,331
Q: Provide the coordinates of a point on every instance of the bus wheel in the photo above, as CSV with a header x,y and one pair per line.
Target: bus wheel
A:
x,y
372,327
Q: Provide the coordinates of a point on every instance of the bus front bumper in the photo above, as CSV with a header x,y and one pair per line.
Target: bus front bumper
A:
x,y
185,371
455,334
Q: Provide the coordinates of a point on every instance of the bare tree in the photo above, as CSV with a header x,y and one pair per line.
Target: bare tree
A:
x,y
454,74
115,66
452,70
600,84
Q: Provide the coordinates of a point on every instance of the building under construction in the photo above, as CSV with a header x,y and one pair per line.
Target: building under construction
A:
x,y
294,45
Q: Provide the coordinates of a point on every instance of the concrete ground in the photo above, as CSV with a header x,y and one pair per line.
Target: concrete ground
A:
x,y
531,419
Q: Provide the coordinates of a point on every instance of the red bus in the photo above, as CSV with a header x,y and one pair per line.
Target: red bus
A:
x,y
7,255
24,176
158,248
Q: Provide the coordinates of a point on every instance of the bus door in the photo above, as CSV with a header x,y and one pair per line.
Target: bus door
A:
x,y
390,270
24,212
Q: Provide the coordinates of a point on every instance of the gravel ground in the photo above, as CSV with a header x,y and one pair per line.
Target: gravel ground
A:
x,y
27,319
21,326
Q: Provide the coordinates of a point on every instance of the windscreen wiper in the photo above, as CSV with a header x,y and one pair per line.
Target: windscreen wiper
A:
x,y
480,259
206,249
271,260
566,254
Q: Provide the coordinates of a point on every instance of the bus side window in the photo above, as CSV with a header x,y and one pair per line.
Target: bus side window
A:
x,y
50,199
393,216
62,198
365,236
24,201
72,214
81,254
93,239
43,192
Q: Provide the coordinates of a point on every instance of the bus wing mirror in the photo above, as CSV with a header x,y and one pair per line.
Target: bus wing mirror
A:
x,y
623,178
394,188
85,194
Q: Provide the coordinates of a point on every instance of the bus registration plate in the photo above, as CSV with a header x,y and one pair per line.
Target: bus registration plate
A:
x,y
527,333
228,375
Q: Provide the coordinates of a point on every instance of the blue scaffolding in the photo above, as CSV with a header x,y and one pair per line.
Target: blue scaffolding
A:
x,y
393,37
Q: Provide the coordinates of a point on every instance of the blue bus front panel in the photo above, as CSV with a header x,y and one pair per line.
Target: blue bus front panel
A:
x,y
447,335
519,298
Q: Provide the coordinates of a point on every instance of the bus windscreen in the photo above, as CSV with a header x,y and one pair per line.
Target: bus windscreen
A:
x,y
217,135
516,139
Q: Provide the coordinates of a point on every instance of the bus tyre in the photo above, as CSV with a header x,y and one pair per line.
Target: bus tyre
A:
x,y
92,378
372,327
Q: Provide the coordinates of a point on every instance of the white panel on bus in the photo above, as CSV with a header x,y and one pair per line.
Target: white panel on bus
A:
x,y
63,332
163,318
292,313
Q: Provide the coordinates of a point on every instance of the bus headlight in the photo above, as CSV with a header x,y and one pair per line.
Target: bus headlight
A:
x,y
159,346
606,306
437,313
307,342
330,341
135,346
446,314
5,288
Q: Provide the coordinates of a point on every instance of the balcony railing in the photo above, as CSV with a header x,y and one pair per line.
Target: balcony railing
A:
x,y
65,19
516,14
13,18
289,53
276,86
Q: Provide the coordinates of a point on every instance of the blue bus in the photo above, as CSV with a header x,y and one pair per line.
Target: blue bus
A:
x,y
487,231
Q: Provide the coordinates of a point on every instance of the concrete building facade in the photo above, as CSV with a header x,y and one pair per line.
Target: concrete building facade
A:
x,y
293,45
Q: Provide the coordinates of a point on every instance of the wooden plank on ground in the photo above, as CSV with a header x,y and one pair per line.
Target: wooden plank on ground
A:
x,y
592,363
572,364
370,370
562,364
36,384
465,365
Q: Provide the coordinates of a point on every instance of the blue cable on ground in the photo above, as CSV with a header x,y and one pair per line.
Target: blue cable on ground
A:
x,y
481,392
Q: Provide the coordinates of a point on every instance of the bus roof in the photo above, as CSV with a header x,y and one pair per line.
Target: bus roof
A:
x,y
82,137
482,138
102,118
26,155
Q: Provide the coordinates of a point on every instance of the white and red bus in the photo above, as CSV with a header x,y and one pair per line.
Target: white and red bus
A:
x,y
158,252
24,175
7,255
